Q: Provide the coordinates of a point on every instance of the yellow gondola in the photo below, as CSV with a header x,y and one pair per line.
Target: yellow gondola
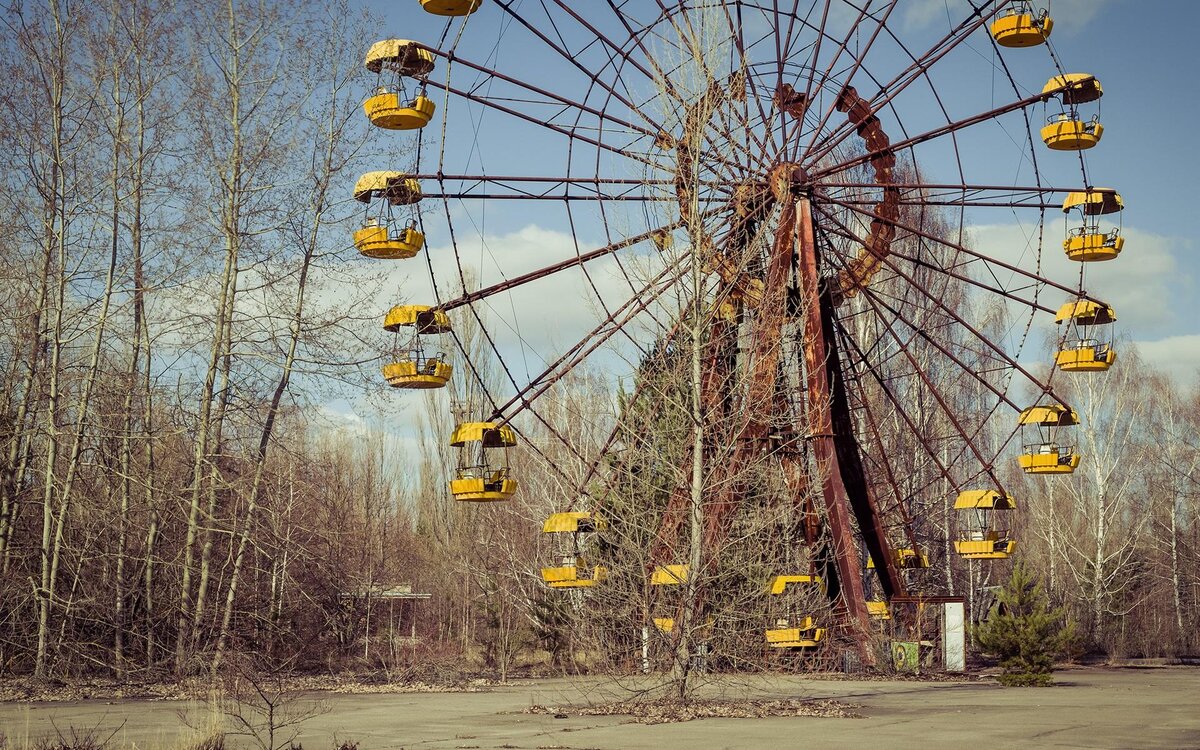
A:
x,y
1068,130
983,537
377,240
788,629
418,372
669,575
1021,26
391,111
382,235
1087,343
402,56
411,367
451,7
878,610
1044,454
1087,244
480,478
906,559
397,188
1090,241
574,572
1094,202
425,319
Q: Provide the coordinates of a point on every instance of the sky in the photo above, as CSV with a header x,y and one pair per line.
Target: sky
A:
x,y
1141,51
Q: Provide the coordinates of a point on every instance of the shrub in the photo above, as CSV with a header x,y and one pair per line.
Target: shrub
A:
x,y
1024,632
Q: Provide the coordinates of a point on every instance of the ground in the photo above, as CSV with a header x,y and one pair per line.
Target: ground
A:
x,y
1090,708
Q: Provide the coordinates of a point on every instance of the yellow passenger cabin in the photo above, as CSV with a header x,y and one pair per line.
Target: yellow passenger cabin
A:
x,y
1091,241
1094,202
1089,244
1069,130
1041,452
1066,132
906,559
798,633
480,476
422,318
789,628
669,575
418,371
403,57
391,111
377,240
451,7
983,536
573,571
1087,341
1048,458
1022,26
878,610
397,188
411,367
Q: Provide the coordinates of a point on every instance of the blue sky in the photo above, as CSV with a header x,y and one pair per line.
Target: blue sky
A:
x,y
1142,52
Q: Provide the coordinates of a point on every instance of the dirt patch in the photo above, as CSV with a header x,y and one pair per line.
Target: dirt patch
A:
x,y
669,712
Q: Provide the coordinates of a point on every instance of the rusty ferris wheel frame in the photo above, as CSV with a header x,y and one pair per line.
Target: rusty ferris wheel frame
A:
x,y
789,172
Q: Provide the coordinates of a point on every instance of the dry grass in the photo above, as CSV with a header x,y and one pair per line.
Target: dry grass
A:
x,y
671,711
25,690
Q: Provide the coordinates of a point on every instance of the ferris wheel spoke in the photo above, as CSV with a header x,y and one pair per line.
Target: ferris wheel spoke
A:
x,y
570,133
967,279
661,78
910,142
736,30
614,47
941,304
881,360
600,114
918,69
882,458
550,270
815,58
612,325
919,332
949,270
556,187
786,53
987,260
572,59
901,407
950,414
858,61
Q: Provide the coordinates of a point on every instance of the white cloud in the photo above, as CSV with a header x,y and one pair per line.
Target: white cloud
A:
x,y
533,322
1177,356
1139,284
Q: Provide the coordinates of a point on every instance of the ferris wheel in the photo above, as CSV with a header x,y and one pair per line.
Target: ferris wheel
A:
x,y
792,185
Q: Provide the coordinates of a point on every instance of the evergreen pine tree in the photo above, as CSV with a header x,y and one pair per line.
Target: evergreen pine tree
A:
x,y
1024,632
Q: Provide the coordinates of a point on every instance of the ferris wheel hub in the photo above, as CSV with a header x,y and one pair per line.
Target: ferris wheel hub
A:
x,y
788,180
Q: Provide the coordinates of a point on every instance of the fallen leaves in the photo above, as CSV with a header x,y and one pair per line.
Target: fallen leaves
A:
x,y
671,711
